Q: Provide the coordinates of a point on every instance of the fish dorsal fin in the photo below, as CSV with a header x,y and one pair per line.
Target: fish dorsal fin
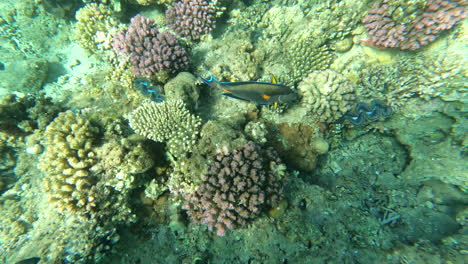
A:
x,y
273,79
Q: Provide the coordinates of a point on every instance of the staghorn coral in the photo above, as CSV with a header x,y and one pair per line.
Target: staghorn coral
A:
x,y
238,186
169,122
67,160
95,27
327,95
149,50
192,18
411,25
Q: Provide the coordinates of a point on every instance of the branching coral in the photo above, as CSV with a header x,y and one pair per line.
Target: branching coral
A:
x,y
409,26
238,186
150,51
169,122
192,18
426,77
67,160
94,27
326,95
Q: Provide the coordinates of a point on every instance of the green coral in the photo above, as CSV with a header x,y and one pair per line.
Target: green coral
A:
x,y
170,122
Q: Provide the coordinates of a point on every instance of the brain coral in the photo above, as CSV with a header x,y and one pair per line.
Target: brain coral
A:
x,y
170,122
238,186
326,94
191,18
67,160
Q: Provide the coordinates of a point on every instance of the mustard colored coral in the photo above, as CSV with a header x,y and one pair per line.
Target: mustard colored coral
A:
x,y
94,27
67,160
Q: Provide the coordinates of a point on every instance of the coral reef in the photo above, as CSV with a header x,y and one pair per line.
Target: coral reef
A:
x,y
192,18
392,24
307,57
150,2
68,157
365,113
233,62
169,122
238,186
183,87
95,27
326,95
426,77
299,145
150,51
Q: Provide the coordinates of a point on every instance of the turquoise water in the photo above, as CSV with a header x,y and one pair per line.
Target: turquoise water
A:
x,y
336,134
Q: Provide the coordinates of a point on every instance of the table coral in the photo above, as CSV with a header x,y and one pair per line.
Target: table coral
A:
x,y
150,50
392,24
170,122
326,95
239,184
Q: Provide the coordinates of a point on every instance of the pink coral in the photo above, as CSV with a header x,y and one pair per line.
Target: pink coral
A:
x,y
191,18
150,51
238,186
437,16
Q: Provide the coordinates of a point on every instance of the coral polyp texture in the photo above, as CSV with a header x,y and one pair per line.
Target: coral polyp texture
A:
x,y
238,186
94,25
67,161
410,26
170,122
150,51
191,18
326,95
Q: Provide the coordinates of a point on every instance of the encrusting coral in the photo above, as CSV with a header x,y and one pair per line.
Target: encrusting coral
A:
x,y
327,95
239,184
170,122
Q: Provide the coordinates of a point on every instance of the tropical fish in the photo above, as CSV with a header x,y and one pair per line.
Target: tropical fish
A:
x,y
261,93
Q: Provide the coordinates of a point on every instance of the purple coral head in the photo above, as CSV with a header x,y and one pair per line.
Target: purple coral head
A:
x,y
191,18
437,16
238,186
149,50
